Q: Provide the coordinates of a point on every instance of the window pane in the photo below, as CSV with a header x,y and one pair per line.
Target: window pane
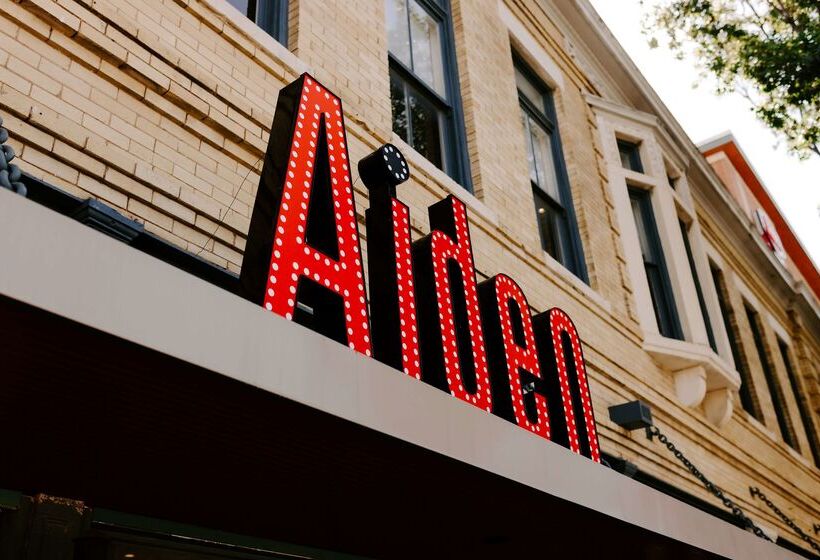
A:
x,y
525,124
425,36
550,226
545,165
424,123
529,90
640,224
684,231
780,410
746,389
241,5
630,156
271,15
398,34
399,106
657,276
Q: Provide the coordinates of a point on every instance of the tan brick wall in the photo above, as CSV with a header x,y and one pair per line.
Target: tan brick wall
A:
x,y
161,108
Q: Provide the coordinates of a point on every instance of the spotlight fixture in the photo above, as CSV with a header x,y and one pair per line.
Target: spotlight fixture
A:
x,y
634,415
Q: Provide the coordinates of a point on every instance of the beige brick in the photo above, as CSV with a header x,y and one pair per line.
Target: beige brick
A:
x,y
141,70
78,159
86,17
51,165
114,155
27,133
12,81
79,51
105,130
132,132
56,15
85,104
158,179
175,209
148,214
165,234
103,191
127,43
56,104
16,13
59,125
122,79
128,185
184,97
110,49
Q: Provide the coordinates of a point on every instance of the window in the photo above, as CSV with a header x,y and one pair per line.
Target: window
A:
x,y
805,413
270,15
684,231
783,420
553,200
630,156
424,84
747,401
654,264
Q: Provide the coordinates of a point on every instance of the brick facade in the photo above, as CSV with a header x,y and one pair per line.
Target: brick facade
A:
x,y
161,108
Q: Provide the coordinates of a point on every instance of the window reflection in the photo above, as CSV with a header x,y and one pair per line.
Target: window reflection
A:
x,y
425,123
422,113
425,36
398,33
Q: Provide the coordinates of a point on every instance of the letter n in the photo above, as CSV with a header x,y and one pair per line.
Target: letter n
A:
x,y
567,388
513,355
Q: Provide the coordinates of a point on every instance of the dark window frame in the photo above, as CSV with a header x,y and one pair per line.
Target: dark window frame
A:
x,y
455,156
781,411
571,248
805,413
704,311
277,26
747,391
634,155
657,273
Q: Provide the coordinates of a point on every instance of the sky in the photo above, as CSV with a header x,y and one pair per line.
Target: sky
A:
x,y
794,184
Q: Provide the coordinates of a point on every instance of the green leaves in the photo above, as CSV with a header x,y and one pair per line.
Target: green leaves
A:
x,y
766,50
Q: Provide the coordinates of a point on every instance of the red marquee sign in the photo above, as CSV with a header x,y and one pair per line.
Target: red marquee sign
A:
x,y
428,316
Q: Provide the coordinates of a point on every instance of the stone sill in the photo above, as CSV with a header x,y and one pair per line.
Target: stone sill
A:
x,y
701,377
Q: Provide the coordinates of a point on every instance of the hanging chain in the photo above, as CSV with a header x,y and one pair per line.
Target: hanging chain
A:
x,y
755,492
653,431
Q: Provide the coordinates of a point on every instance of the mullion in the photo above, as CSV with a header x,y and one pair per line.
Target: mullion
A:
x,y
554,203
532,150
535,113
408,111
408,76
433,9
409,36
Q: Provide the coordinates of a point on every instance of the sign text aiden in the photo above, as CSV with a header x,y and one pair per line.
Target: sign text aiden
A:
x,y
428,316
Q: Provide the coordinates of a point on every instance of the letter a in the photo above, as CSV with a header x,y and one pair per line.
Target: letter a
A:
x,y
302,259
